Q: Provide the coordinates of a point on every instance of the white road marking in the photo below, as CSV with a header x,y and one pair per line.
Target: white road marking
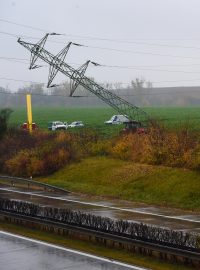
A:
x,y
103,206
74,251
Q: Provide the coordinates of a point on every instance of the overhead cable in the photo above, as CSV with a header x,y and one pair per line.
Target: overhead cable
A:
x,y
109,49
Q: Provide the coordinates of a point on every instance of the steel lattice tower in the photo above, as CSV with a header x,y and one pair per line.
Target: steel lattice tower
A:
x,y
77,76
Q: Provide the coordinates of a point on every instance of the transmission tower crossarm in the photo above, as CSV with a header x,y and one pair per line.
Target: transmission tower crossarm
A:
x,y
122,106
60,57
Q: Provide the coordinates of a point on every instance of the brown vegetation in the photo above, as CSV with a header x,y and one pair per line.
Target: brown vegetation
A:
x,y
43,153
161,147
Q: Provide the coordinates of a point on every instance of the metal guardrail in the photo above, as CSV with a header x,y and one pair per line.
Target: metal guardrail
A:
x,y
30,182
186,254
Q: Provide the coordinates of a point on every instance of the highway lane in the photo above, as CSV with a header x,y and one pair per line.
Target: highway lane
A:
x,y
162,217
22,253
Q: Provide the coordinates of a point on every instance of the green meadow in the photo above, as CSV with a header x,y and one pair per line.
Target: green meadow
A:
x,y
172,117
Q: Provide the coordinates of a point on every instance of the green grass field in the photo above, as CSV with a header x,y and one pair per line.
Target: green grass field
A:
x,y
91,117
95,117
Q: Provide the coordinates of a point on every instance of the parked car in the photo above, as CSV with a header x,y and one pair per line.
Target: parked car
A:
x,y
76,124
117,119
57,125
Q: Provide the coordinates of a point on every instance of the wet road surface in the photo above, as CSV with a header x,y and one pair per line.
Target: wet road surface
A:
x,y
174,219
21,253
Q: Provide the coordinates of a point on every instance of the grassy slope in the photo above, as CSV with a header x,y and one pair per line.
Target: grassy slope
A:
x,y
121,179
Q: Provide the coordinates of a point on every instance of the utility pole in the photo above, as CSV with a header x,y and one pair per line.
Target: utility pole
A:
x,y
29,112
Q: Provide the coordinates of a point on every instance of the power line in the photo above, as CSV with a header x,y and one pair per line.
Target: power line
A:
x,y
145,53
23,36
23,25
15,61
17,80
140,66
110,49
33,94
117,66
156,70
123,83
174,81
103,39
127,95
112,66
18,60
13,58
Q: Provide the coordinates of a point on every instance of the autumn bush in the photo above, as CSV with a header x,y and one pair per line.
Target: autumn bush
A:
x,y
40,153
160,146
43,152
84,139
14,141
174,148
99,148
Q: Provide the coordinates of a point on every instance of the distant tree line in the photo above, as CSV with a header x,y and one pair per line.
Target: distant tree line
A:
x,y
139,92
172,238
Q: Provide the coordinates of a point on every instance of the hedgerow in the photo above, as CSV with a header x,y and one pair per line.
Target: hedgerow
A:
x,y
139,231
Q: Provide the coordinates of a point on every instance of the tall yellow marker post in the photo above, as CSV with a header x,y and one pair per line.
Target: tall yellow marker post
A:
x,y
29,112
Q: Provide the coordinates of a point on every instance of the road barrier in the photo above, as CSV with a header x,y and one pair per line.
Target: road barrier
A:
x,y
28,183
51,221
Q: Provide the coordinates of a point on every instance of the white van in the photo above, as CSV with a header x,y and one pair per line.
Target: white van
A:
x,y
117,119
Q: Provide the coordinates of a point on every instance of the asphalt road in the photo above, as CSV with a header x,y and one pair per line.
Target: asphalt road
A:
x,y
164,217
21,253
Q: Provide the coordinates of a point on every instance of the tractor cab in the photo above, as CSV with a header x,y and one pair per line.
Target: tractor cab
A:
x,y
134,126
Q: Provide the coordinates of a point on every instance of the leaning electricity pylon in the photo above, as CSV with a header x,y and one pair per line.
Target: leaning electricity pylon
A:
x,y
77,77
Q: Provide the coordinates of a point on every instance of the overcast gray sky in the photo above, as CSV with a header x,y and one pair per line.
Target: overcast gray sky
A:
x,y
159,39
